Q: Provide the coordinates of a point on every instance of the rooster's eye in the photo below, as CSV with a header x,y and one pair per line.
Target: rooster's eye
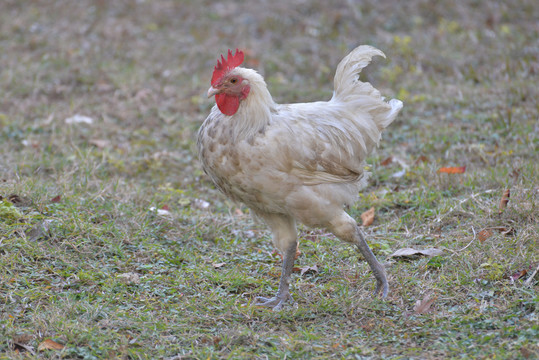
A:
x,y
233,80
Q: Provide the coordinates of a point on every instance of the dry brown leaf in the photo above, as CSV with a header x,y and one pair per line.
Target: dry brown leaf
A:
x,y
484,234
504,200
452,170
423,306
306,269
387,161
56,199
421,158
519,274
368,217
49,344
19,347
410,253
19,201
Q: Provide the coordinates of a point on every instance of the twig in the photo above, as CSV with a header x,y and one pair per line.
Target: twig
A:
x,y
528,282
473,196
464,248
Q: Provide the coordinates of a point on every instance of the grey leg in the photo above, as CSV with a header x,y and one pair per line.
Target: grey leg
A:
x,y
345,228
377,268
283,294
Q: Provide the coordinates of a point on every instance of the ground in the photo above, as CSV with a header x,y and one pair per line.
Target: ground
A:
x,y
114,244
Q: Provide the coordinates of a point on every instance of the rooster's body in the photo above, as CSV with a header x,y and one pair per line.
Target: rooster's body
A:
x,y
293,162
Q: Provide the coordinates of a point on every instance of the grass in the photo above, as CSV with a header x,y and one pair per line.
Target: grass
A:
x,y
86,263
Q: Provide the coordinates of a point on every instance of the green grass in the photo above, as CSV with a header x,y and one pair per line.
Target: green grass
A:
x,y
86,263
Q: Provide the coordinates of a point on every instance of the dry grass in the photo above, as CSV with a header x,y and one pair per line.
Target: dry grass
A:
x,y
75,223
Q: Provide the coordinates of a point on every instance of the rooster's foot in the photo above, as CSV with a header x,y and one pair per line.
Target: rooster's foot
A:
x,y
381,288
277,302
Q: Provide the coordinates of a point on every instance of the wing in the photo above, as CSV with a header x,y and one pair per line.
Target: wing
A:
x,y
324,142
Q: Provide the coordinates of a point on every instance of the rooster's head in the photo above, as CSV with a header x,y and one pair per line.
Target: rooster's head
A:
x,y
228,86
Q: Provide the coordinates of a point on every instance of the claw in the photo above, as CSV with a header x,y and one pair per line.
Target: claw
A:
x,y
383,287
277,303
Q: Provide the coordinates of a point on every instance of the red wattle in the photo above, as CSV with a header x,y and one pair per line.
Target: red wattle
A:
x,y
227,104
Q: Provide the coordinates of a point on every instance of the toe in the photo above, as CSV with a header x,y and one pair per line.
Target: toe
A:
x,y
381,286
277,302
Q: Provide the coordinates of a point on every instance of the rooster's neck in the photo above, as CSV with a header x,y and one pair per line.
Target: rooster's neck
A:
x,y
254,114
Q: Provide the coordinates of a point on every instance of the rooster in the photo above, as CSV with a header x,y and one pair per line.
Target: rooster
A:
x,y
299,162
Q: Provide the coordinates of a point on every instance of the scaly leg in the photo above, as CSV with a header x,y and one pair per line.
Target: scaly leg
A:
x,y
285,239
345,228
283,294
377,268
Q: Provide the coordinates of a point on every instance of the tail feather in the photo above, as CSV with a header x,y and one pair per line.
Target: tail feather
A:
x,y
349,89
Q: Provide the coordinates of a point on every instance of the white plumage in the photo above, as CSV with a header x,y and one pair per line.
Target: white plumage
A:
x,y
297,161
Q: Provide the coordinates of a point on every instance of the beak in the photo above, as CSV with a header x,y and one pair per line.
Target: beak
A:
x,y
213,91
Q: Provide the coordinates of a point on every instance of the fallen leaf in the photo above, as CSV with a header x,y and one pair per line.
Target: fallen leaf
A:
x,y
18,347
21,342
504,200
40,230
387,161
519,274
368,217
201,204
421,158
49,344
17,200
306,269
129,278
484,234
79,119
506,231
452,170
56,199
399,174
23,338
99,143
238,212
423,306
410,253
160,212
218,265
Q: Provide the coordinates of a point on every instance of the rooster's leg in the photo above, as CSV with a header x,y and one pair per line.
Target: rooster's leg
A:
x,y
377,268
345,228
283,294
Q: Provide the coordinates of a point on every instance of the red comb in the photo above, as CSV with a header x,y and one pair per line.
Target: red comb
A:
x,y
225,65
